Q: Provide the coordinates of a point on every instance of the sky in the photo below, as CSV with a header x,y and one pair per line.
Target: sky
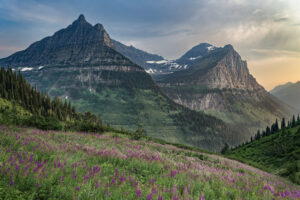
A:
x,y
266,33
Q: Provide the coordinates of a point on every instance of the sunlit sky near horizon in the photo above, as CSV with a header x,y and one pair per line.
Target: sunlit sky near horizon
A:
x,y
265,33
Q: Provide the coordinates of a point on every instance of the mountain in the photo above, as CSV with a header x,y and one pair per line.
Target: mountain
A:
x,y
288,93
195,54
80,63
220,84
156,65
277,152
137,56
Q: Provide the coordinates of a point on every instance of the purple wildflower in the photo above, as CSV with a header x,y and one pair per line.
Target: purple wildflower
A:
x,y
149,196
138,193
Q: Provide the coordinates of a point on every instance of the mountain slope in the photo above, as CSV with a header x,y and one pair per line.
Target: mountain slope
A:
x,y
137,56
288,93
39,164
23,105
278,153
221,85
80,63
196,53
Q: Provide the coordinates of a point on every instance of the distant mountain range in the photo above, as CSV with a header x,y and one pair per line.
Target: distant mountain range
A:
x,y
156,65
288,93
216,80
80,63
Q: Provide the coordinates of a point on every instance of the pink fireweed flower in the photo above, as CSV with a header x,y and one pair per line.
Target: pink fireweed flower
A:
x,y
12,183
122,178
160,197
202,197
149,196
154,190
97,184
174,189
173,173
152,181
138,193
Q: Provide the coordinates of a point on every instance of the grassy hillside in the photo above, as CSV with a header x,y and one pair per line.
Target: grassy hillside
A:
x,y
37,164
129,99
278,153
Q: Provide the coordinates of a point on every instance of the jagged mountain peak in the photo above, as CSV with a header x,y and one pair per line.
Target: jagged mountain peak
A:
x,y
81,18
80,22
229,46
80,42
196,53
99,26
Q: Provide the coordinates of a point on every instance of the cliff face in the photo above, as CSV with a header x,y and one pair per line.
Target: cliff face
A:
x,y
231,72
220,84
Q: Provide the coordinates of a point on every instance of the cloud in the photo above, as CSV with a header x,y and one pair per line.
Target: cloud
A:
x,y
32,11
256,11
259,30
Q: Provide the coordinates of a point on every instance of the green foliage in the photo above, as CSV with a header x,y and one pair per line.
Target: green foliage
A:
x,y
138,133
44,123
278,153
225,149
20,104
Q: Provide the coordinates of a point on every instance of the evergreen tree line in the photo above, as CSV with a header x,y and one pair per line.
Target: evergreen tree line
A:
x,y
15,88
293,122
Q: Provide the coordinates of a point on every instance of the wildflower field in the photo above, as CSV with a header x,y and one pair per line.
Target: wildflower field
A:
x,y
37,164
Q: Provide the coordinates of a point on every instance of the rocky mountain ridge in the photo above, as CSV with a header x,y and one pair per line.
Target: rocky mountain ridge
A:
x,y
220,84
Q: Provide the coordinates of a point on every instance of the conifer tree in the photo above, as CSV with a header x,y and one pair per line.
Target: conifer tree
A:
x,y
293,121
283,123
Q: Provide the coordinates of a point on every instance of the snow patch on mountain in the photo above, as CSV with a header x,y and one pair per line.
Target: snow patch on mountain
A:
x,y
26,69
151,71
210,48
157,62
194,58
